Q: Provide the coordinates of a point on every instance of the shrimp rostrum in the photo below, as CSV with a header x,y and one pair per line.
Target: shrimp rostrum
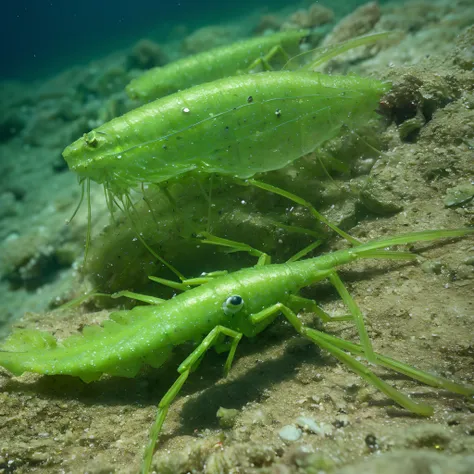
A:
x,y
218,308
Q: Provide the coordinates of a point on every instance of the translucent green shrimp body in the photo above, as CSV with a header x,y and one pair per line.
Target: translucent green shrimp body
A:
x,y
241,57
236,126
242,303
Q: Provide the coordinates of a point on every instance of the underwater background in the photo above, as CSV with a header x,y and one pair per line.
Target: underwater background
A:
x,y
45,36
63,72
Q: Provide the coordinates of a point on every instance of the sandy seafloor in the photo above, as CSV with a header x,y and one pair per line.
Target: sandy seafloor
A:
x,y
419,177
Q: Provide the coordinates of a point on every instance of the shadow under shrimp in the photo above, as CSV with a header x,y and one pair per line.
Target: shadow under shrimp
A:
x,y
236,392
150,385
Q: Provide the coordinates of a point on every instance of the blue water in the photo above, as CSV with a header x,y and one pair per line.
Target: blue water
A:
x,y
41,37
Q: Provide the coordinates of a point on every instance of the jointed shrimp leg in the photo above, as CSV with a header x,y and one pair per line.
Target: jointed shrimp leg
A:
x,y
297,303
302,202
171,283
188,283
360,369
333,278
356,313
263,258
263,63
204,278
138,296
186,367
424,377
185,285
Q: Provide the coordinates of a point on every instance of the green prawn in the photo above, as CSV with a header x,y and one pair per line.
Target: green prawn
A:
x,y
219,312
236,127
255,54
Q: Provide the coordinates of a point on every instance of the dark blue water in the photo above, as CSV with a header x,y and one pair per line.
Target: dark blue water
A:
x,y
38,36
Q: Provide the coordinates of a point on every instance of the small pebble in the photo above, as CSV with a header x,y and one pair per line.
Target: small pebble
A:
x,y
459,195
469,260
290,433
308,424
432,266
227,417
341,421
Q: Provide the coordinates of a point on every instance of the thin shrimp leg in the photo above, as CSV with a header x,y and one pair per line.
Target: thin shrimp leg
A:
x,y
263,63
188,283
302,202
170,283
360,369
205,278
263,258
333,277
346,297
297,303
389,363
138,296
186,367
357,315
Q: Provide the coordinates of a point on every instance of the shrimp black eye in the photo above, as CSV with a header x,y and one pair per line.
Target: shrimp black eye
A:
x,y
91,139
233,304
